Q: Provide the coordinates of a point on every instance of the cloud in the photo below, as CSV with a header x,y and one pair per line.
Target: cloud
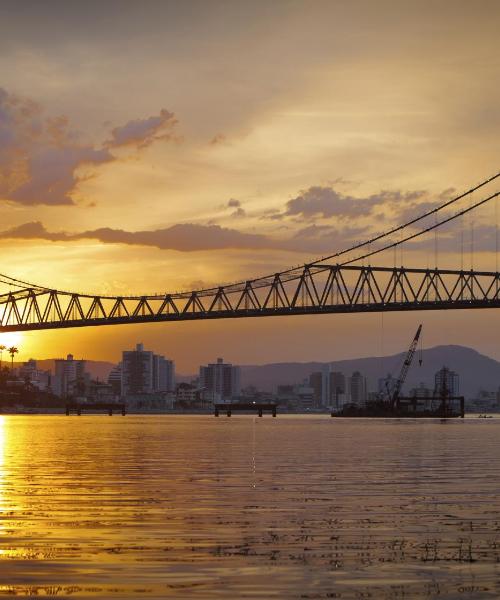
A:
x,y
240,212
40,156
141,133
188,237
218,139
183,237
325,202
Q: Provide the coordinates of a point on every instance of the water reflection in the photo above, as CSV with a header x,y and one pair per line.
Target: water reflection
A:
x,y
294,507
2,477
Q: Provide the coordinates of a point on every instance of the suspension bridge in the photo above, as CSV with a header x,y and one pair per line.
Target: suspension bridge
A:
x,y
344,282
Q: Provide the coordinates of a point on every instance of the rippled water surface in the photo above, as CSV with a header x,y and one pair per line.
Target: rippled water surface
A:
x,y
293,507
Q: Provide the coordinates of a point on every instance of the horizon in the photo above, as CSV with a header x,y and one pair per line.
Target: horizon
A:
x,y
226,359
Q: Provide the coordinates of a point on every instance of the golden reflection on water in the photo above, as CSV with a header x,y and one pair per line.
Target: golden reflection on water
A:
x,y
2,475
293,507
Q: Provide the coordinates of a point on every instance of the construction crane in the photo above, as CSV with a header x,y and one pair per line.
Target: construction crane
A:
x,y
394,397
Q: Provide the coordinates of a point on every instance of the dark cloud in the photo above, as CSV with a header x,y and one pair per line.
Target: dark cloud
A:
x,y
183,237
325,202
239,213
141,133
190,237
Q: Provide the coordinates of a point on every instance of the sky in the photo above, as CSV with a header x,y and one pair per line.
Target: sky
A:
x,y
160,146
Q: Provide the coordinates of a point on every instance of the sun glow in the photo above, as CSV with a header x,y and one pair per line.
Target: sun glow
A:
x,y
11,338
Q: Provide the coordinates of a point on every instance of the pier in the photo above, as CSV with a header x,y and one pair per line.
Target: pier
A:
x,y
109,407
259,407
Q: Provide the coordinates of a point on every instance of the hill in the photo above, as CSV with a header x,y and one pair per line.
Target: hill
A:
x,y
476,370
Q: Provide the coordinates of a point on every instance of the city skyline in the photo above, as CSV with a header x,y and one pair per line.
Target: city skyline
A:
x,y
95,184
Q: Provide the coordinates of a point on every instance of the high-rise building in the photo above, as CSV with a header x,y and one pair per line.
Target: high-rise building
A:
x,y
446,382
337,388
70,377
143,372
137,371
220,381
316,384
357,388
328,387
163,374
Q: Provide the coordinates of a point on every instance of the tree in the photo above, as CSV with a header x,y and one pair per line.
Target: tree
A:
x,y
12,351
2,348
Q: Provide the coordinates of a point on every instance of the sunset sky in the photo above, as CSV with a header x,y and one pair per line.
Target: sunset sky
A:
x,y
158,146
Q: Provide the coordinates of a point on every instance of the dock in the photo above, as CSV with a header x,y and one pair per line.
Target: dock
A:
x,y
109,407
259,407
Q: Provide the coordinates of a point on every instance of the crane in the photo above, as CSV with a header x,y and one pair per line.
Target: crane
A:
x,y
394,397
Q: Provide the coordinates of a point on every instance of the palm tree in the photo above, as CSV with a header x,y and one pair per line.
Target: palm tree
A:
x,y
12,350
2,348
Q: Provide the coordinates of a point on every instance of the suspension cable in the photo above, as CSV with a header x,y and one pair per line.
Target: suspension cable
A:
x,y
294,271
426,230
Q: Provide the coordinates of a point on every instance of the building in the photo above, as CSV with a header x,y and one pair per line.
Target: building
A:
x,y
357,389
31,374
137,371
446,382
70,378
421,391
143,372
316,383
115,379
188,395
163,374
328,387
386,386
220,381
337,389
485,401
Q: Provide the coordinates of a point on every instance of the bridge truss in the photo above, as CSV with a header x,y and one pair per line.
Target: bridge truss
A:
x,y
317,290
321,287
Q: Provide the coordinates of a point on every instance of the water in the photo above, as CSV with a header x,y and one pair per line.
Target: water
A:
x,y
293,507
